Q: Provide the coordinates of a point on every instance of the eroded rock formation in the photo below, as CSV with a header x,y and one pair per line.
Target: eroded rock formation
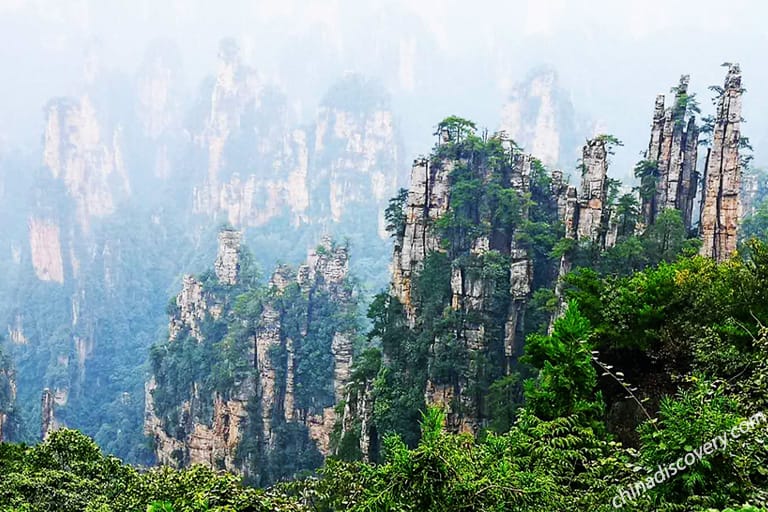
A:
x,y
593,212
673,152
721,206
227,263
473,289
347,162
539,116
45,250
107,226
48,421
584,211
7,398
86,156
427,201
289,350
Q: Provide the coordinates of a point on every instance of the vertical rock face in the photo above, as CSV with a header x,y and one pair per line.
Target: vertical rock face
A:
x,y
261,167
584,212
721,207
86,159
247,138
427,201
355,155
197,310
673,151
48,420
288,347
593,194
45,250
539,116
228,258
487,275
109,229
521,265
7,398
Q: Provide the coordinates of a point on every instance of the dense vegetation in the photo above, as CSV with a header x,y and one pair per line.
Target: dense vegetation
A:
x,y
214,359
556,456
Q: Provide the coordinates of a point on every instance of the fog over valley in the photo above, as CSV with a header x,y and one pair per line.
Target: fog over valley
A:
x,y
383,255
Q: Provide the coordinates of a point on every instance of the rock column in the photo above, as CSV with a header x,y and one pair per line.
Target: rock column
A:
x,y
721,202
673,150
594,192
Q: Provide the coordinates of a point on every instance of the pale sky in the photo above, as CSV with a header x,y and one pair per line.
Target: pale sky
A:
x,y
437,57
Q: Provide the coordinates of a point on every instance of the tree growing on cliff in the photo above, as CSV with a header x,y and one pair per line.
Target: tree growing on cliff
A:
x,y
455,128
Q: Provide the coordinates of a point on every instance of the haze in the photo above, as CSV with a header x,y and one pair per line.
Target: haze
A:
x,y
435,57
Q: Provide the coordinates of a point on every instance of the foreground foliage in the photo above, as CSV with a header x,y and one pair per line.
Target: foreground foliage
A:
x,y
556,456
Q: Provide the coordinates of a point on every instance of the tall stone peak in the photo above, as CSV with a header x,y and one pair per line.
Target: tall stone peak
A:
x,y
672,153
86,156
227,265
48,419
321,175
593,193
540,117
721,201
427,201
329,262
584,211
291,352
420,239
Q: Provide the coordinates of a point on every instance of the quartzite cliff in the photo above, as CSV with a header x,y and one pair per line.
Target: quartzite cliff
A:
x,y
721,204
275,360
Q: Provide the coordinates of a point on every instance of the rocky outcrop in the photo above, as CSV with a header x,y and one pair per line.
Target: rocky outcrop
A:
x,y
521,265
291,363
212,443
584,212
672,151
247,139
347,162
357,419
593,212
45,250
489,276
721,206
48,418
356,153
227,263
85,156
427,201
107,227
539,116
7,398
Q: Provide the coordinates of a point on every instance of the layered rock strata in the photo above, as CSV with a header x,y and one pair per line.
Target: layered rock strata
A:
x,y
243,423
673,149
538,115
593,212
472,291
721,205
